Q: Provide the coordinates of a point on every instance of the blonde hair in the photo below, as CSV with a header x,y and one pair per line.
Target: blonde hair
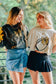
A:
x,y
47,18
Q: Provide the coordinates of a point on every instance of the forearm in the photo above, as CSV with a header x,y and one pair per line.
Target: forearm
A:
x,y
54,49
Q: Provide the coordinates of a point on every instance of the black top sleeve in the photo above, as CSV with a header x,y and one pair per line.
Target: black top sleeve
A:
x,y
8,40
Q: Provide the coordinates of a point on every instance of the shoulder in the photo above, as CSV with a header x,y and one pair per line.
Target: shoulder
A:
x,y
6,25
52,30
35,29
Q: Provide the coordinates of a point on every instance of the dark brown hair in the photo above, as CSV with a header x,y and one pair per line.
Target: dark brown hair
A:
x,y
12,14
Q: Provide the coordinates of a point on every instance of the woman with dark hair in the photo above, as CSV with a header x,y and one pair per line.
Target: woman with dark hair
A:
x,y
13,36
41,43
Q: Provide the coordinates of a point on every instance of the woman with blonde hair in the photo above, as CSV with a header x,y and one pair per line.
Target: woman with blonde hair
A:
x,y
41,42
13,35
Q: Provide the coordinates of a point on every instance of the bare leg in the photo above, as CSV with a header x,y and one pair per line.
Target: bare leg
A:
x,y
48,77
22,76
34,76
15,77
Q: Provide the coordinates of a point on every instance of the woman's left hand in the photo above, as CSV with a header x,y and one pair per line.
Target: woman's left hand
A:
x,y
54,49
54,44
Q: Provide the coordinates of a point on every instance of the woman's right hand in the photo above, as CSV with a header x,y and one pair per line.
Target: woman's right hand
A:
x,y
38,51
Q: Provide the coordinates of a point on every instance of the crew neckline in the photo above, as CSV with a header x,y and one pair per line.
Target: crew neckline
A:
x,y
44,28
15,25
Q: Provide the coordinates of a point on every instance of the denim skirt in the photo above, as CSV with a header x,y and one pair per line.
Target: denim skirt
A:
x,y
39,62
16,59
